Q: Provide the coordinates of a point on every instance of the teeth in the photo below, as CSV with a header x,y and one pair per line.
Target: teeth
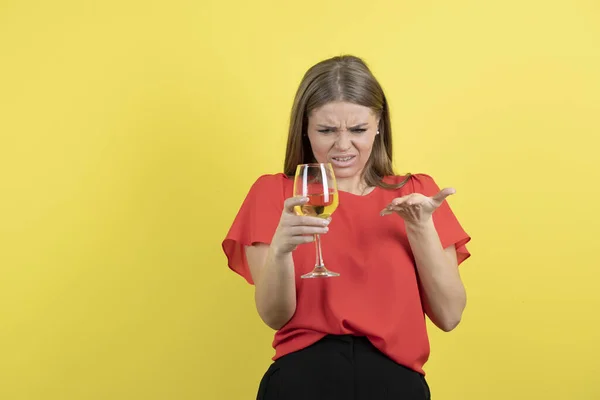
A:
x,y
342,158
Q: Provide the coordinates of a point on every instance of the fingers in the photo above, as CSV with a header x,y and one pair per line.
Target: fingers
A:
x,y
307,230
297,229
386,211
441,196
398,201
410,203
297,220
294,229
416,204
292,202
308,221
394,209
396,205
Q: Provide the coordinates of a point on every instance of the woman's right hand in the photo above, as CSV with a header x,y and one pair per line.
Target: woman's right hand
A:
x,y
294,229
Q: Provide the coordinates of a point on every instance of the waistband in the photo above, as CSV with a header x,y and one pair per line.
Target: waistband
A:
x,y
343,340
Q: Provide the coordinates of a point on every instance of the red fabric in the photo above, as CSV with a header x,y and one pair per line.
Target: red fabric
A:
x,y
377,294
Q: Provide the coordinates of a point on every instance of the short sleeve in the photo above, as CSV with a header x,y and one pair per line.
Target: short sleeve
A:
x,y
255,222
449,229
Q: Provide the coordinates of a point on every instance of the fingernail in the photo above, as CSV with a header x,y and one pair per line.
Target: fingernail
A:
x,y
326,222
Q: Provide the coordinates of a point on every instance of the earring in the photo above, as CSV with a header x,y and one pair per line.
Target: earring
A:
x,y
378,131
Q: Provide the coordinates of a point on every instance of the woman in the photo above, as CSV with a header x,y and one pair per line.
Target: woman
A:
x,y
393,239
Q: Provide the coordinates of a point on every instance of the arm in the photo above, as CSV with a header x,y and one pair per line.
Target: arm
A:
x,y
275,287
443,293
272,266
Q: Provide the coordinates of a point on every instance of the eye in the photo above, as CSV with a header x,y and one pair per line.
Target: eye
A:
x,y
359,130
326,130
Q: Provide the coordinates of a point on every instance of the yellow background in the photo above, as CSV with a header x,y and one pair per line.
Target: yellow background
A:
x,y
130,132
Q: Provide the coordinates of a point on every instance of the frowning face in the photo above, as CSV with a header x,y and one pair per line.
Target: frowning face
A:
x,y
342,134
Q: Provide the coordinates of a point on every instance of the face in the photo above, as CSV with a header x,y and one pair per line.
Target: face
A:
x,y
342,134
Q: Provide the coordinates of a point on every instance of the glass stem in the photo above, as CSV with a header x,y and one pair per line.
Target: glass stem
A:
x,y
319,254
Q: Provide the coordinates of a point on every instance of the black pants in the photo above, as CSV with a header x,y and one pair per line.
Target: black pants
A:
x,y
344,368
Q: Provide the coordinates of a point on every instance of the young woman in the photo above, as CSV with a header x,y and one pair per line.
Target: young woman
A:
x,y
393,239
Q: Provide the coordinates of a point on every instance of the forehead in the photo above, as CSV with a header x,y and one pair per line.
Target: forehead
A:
x,y
337,112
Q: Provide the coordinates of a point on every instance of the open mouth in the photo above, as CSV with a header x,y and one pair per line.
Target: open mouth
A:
x,y
343,161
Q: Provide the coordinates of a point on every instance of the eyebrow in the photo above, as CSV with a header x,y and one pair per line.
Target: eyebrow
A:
x,y
335,127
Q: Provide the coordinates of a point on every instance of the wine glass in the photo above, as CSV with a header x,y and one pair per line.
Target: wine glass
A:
x,y
317,183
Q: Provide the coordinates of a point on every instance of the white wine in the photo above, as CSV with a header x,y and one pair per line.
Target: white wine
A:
x,y
318,205
317,183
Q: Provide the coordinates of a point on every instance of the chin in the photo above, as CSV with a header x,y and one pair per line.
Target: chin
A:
x,y
343,173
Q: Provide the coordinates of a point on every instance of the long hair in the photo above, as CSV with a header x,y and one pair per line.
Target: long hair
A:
x,y
343,78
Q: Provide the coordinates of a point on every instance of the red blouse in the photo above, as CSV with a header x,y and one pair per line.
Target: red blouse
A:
x,y
376,294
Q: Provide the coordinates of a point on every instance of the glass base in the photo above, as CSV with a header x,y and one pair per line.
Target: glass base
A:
x,y
320,272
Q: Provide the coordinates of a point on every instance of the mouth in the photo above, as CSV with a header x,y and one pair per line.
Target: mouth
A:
x,y
343,161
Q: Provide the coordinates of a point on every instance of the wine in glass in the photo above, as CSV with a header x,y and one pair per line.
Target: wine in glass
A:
x,y
317,183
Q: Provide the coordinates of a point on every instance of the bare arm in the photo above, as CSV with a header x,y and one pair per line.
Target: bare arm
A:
x,y
272,266
443,293
275,287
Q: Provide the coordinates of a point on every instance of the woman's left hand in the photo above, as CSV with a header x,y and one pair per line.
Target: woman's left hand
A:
x,y
417,208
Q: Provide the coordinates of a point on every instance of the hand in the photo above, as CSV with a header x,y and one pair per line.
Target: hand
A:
x,y
295,229
417,208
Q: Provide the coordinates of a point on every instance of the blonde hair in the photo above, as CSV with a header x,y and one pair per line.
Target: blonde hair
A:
x,y
342,78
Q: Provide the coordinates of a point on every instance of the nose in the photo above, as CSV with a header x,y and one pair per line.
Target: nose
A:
x,y
343,141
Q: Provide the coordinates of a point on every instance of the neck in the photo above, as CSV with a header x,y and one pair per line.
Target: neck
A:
x,y
354,185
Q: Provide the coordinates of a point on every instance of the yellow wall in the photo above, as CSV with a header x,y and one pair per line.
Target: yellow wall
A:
x,y
131,130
